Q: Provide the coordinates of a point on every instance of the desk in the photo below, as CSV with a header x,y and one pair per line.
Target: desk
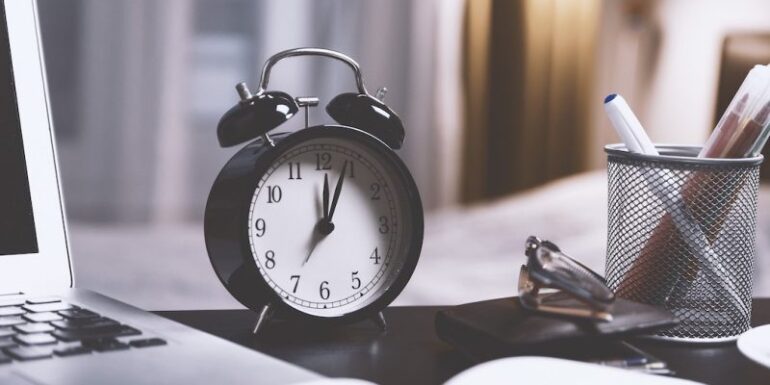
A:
x,y
410,353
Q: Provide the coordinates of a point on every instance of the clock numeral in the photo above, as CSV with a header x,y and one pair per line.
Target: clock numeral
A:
x,y
323,291
260,227
296,283
375,256
375,187
274,194
356,280
294,171
270,259
384,225
323,161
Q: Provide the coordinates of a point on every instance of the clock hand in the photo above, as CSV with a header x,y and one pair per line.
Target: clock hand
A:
x,y
315,239
324,227
337,191
326,197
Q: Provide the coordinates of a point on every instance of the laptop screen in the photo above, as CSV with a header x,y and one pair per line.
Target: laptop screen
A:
x,y
17,223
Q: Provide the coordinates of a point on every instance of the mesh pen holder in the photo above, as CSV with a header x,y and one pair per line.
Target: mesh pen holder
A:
x,y
681,234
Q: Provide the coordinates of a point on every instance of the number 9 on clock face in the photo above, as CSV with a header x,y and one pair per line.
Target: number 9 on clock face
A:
x,y
333,226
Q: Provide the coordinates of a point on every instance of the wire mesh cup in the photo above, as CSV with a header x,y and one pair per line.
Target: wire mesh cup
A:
x,y
681,234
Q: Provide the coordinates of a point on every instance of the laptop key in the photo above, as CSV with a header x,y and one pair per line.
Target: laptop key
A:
x,y
38,327
11,301
42,317
7,342
72,350
5,332
35,301
24,353
78,314
92,323
147,342
87,334
11,310
47,307
36,339
11,321
105,344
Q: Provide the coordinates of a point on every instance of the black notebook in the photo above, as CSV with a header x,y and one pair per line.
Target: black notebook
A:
x,y
502,327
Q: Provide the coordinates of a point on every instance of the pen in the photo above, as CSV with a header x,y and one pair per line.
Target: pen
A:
x,y
627,125
625,362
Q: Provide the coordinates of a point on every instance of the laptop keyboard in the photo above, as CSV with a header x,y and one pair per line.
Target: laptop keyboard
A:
x,y
43,328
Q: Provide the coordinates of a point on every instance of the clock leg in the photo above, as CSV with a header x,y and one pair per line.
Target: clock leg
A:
x,y
379,320
264,314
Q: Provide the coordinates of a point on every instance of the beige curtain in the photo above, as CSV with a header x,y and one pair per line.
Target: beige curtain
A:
x,y
528,69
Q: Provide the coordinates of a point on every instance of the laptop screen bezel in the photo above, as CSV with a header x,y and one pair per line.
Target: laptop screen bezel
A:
x,y
50,268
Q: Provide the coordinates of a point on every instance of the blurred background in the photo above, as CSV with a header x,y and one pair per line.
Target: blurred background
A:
x,y
502,102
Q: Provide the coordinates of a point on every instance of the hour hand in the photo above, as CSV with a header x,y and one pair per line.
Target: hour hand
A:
x,y
326,197
324,226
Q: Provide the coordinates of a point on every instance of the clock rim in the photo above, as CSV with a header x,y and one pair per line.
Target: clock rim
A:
x,y
263,158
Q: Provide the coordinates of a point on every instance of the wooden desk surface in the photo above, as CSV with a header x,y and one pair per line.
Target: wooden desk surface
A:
x,y
411,353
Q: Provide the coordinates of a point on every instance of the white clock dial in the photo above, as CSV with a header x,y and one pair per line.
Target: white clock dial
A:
x,y
333,266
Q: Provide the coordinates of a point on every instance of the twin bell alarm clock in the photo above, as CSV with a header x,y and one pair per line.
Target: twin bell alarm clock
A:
x,y
324,224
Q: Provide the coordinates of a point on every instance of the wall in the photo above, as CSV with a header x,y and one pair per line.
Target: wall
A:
x,y
664,56
683,95
138,86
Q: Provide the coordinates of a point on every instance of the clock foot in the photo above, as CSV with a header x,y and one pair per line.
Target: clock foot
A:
x,y
264,314
379,320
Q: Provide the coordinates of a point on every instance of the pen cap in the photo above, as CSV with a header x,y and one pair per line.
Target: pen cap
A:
x,y
627,125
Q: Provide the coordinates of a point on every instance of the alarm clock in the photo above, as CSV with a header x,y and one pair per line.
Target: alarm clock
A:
x,y
324,224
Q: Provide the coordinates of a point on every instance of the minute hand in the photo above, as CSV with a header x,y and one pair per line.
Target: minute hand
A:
x,y
337,191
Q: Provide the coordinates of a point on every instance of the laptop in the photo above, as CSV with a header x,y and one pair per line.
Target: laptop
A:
x,y
51,332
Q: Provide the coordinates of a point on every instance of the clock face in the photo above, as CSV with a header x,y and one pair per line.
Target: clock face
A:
x,y
329,226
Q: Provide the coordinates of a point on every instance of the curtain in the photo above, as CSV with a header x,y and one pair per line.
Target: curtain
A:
x,y
528,76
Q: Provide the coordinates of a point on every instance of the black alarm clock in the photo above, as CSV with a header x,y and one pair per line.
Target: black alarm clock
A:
x,y
324,224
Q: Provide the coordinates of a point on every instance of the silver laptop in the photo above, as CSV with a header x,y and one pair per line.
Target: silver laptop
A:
x,y
51,333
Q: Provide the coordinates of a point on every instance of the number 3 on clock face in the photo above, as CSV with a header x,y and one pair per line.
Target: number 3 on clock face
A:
x,y
330,226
